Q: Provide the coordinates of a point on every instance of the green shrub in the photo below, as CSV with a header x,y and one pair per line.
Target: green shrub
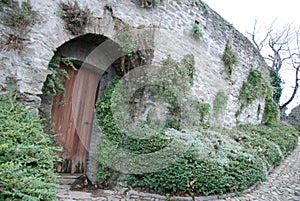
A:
x,y
26,155
282,134
214,171
268,151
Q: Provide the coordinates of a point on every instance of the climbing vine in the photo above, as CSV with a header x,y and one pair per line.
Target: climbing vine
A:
x,y
204,111
230,58
257,86
220,103
54,82
169,84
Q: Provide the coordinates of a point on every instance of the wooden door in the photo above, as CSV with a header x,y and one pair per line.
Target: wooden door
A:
x,y
72,117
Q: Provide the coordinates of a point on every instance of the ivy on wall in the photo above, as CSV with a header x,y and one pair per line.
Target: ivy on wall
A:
x,y
257,86
230,58
220,103
166,75
197,33
54,81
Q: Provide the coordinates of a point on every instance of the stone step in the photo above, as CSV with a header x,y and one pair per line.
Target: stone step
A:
x,y
68,179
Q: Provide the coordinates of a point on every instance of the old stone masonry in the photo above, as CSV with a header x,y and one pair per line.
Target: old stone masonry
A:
x,y
283,185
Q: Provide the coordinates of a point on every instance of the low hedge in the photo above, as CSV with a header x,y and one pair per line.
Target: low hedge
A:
x,y
202,176
282,134
26,155
267,150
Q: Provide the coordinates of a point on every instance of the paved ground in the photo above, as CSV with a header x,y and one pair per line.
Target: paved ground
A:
x,y
283,185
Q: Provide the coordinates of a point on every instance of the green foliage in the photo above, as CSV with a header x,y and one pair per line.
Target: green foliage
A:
x,y
220,171
257,86
21,17
267,150
197,33
220,103
230,58
109,7
276,83
54,82
217,161
26,155
76,19
6,1
282,134
188,62
271,110
170,83
218,165
204,110
128,44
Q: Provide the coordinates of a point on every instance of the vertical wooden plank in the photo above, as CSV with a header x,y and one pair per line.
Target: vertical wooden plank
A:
x,y
73,119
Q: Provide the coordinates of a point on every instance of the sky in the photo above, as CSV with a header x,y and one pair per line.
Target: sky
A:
x,y
242,15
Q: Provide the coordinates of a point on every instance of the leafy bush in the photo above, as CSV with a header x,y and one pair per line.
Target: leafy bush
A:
x,y
282,134
26,155
265,149
216,164
219,169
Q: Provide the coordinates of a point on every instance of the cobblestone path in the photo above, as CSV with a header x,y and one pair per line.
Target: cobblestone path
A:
x,y
283,185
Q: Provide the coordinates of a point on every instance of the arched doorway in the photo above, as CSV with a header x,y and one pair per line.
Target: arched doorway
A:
x,y
71,113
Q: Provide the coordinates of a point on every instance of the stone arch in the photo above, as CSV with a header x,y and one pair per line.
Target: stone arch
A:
x,y
70,114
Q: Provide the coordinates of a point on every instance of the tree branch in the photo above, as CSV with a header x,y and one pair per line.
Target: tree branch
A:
x,y
294,91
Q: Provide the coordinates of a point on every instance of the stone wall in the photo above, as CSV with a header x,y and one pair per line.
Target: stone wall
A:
x,y
176,19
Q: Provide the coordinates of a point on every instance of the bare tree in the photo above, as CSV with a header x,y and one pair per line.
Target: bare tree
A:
x,y
282,50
